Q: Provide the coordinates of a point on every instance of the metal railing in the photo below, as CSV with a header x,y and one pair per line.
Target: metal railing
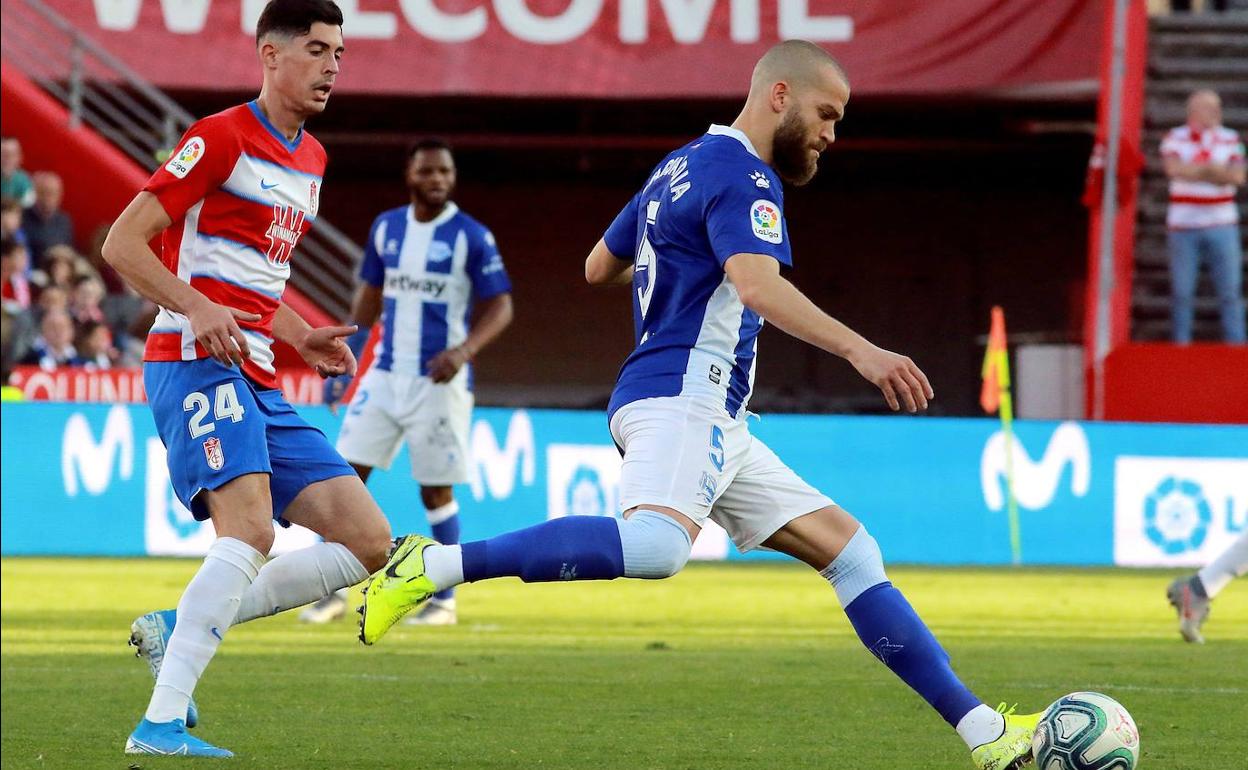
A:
x,y
101,91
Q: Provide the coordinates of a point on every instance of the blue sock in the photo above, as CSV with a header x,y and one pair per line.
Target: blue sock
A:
x,y
893,632
569,548
444,522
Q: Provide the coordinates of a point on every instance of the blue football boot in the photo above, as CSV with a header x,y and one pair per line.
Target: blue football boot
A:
x,y
170,739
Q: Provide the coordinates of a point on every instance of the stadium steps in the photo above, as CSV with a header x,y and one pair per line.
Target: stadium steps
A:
x,y
97,89
1186,52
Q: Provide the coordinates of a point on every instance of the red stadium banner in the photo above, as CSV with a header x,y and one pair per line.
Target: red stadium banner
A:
x,y
125,386
622,48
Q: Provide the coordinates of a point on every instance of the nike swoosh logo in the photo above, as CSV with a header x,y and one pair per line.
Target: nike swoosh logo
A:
x,y
264,186
217,634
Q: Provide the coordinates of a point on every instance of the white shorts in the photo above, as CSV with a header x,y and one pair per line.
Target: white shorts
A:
x,y
688,454
434,419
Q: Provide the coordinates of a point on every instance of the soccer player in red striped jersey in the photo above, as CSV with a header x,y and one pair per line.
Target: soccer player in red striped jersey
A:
x,y
230,206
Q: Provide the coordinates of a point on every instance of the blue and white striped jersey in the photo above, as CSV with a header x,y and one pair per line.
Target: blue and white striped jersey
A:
x,y
429,274
705,202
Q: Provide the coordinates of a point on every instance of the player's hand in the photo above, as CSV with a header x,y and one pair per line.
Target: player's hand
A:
x,y
447,364
216,328
897,377
325,351
335,388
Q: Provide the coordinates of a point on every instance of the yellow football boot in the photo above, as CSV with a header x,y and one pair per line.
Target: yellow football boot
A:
x,y
1013,749
396,589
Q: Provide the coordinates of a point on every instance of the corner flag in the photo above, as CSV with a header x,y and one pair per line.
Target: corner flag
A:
x,y
994,396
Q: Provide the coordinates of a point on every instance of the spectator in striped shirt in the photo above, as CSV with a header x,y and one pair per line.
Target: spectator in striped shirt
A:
x,y
1205,163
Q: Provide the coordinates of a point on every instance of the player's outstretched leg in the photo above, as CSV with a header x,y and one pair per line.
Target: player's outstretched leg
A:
x,y
893,632
1191,596
648,544
443,516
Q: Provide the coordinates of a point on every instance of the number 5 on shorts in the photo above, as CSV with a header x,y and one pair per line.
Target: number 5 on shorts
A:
x,y
225,405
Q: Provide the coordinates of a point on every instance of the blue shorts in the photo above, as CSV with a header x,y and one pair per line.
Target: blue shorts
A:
x,y
217,425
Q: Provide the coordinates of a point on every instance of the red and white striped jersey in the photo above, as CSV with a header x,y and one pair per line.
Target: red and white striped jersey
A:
x,y
1202,204
240,196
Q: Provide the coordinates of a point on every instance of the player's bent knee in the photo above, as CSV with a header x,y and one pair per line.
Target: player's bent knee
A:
x,y
655,546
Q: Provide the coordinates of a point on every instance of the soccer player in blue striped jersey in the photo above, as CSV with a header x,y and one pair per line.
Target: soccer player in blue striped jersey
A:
x,y
702,245
428,267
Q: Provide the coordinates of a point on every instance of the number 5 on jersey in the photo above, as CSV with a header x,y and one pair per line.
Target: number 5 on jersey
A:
x,y
646,265
225,405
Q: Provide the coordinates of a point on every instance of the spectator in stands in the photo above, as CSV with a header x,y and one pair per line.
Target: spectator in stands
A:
x,y
14,182
14,288
1205,163
84,300
54,346
95,346
53,298
11,219
59,267
1185,6
44,223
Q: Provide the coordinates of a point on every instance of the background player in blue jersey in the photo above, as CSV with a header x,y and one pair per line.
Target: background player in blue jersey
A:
x,y
702,245
426,265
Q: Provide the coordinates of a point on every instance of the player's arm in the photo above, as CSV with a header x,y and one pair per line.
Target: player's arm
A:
x,y
1232,174
322,348
493,315
126,249
763,290
603,268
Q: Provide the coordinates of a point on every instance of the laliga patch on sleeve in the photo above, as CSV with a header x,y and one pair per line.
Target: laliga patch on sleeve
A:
x,y
185,159
765,221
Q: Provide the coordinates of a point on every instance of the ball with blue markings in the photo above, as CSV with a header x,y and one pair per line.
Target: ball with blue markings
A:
x,y
1086,731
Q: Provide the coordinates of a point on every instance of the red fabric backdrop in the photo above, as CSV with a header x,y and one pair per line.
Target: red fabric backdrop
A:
x,y
621,48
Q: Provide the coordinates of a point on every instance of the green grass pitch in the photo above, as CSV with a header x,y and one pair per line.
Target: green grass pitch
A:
x,y
724,666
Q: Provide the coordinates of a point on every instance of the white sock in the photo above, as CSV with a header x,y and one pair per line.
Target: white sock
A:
x,y
205,612
1229,565
858,566
444,565
980,725
442,512
298,578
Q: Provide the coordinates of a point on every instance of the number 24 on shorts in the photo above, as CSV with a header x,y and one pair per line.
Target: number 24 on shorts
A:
x,y
225,405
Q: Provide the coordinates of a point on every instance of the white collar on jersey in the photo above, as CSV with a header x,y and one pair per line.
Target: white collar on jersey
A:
x,y
448,212
718,130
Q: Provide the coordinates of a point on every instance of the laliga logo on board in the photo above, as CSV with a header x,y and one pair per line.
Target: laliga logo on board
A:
x,y
1177,515
585,495
1035,483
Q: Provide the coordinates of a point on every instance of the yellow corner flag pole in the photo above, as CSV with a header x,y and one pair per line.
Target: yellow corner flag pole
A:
x,y
995,397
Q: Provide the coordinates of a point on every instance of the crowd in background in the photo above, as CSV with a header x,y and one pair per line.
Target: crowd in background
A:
x,y
61,306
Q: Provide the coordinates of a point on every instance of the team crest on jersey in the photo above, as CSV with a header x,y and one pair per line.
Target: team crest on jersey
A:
x,y
213,453
314,198
765,221
283,233
185,159
439,251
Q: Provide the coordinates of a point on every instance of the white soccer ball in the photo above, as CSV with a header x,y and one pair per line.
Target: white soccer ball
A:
x,y
1086,731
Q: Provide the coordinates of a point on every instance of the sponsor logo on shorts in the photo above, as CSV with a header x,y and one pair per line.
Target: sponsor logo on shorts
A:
x,y
765,221
185,159
213,453
706,488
